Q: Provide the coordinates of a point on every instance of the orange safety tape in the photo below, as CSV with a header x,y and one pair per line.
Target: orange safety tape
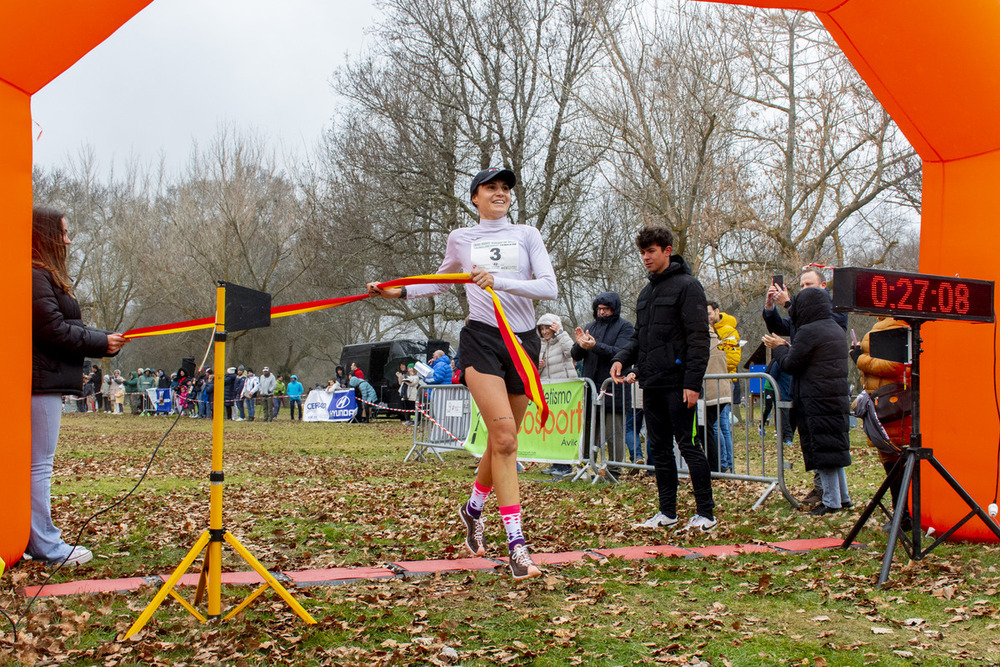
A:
x,y
526,369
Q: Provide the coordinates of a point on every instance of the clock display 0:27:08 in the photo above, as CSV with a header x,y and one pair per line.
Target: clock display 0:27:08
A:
x,y
927,295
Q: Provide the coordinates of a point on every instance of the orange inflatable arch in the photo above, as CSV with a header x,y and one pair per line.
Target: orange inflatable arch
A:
x,y
932,64
935,68
41,39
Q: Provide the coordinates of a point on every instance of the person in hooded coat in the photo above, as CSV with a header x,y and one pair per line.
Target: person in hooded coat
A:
x,y
367,395
229,391
132,392
596,345
555,361
817,361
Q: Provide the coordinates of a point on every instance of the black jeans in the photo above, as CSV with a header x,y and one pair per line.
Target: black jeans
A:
x,y
668,419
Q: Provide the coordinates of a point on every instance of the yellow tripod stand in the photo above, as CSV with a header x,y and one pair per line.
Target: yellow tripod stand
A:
x,y
211,573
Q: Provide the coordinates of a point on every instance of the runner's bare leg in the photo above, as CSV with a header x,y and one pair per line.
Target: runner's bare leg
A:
x,y
502,414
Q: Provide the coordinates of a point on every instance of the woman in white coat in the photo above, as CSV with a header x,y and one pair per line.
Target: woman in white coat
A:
x,y
555,361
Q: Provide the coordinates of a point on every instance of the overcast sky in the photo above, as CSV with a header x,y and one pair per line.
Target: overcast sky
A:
x,y
181,68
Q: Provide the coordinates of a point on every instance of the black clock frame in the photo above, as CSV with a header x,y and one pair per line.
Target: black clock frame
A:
x,y
976,306
907,295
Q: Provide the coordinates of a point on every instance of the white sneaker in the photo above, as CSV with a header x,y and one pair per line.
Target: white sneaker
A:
x,y
701,523
658,520
78,556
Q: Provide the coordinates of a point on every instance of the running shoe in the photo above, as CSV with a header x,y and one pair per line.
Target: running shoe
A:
x,y
520,563
658,520
78,556
704,524
474,528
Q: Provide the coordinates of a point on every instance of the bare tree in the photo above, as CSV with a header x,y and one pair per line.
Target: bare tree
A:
x,y
662,124
235,217
110,219
453,87
821,148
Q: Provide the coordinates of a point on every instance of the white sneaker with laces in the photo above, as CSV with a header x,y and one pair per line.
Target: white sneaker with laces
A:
x,y
701,523
78,556
658,520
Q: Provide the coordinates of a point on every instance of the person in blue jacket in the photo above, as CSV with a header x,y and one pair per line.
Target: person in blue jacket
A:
x,y
294,391
368,396
442,368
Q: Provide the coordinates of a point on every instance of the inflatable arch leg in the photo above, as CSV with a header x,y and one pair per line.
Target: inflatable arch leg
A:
x,y
933,67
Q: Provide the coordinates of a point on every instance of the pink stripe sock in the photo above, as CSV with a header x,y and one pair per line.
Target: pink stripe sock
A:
x,y
511,516
478,498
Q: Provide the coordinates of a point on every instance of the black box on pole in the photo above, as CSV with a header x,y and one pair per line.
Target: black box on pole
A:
x,y
246,308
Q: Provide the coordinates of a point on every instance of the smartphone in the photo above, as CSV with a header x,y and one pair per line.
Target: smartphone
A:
x,y
854,337
779,280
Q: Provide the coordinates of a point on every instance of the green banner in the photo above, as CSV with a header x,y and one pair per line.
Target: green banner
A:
x,y
558,442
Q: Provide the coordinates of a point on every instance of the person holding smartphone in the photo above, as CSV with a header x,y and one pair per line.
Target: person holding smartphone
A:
x,y
777,294
817,360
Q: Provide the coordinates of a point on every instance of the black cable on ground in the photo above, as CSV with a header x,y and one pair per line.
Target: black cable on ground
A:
x,y
86,523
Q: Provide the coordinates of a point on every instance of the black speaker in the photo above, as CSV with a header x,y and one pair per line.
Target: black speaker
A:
x,y
187,365
891,344
246,308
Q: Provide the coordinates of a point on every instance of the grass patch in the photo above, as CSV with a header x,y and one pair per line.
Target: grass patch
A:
x,y
303,496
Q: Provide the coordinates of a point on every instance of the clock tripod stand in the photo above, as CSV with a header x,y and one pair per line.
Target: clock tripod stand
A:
x,y
909,467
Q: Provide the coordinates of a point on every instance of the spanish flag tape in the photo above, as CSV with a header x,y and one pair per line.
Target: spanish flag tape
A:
x,y
526,369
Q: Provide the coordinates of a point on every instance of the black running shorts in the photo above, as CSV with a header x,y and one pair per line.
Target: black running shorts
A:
x,y
481,346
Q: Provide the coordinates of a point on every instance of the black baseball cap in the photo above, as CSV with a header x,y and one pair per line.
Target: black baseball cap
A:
x,y
491,174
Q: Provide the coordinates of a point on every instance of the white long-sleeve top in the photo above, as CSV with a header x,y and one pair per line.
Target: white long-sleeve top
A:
x,y
518,260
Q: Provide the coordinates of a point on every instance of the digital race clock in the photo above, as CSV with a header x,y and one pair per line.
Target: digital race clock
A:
x,y
912,295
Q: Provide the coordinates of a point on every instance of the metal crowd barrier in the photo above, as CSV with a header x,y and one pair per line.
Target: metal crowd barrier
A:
x,y
443,418
441,421
768,468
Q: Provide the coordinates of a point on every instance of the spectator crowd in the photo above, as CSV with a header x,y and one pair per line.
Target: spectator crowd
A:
x,y
811,375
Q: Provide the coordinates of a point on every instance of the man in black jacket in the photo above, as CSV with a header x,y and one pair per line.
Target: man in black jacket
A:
x,y
670,349
597,344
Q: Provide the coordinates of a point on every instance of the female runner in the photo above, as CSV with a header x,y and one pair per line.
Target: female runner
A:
x,y
513,261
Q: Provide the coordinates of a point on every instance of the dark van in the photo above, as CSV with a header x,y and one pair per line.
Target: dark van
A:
x,y
379,362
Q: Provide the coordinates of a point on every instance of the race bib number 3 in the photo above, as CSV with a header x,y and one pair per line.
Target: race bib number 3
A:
x,y
496,255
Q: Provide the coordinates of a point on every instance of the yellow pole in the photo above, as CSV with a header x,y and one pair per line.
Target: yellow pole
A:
x,y
214,553
166,589
212,539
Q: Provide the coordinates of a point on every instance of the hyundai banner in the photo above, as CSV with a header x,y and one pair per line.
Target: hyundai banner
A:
x,y
324,406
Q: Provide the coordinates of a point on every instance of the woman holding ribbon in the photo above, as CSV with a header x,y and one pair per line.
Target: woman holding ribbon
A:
x,y
512,260
60,341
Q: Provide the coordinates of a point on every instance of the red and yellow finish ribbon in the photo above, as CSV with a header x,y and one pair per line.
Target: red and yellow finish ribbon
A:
x,y
522,362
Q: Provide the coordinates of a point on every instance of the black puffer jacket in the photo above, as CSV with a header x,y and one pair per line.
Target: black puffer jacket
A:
x,y
610,333
817,360
670,345
59,339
